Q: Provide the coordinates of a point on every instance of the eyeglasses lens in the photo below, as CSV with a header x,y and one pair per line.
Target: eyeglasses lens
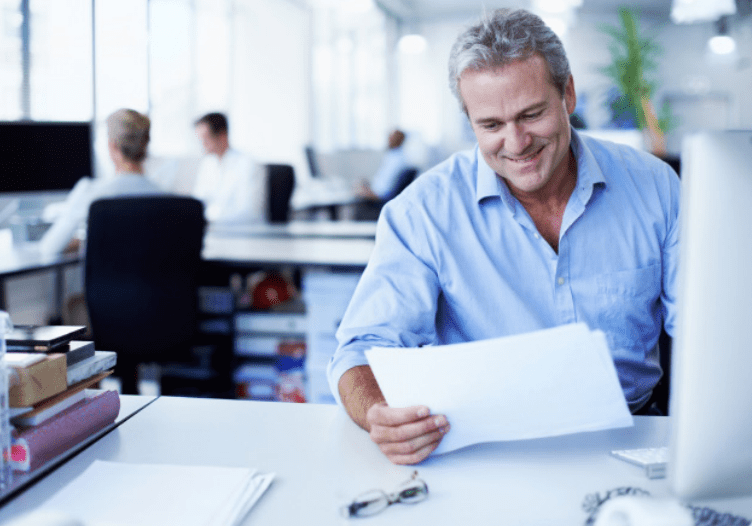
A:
x,y
413,491
368,503
375,501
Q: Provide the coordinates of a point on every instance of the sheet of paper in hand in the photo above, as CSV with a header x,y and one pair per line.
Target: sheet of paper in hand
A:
x,y
540,384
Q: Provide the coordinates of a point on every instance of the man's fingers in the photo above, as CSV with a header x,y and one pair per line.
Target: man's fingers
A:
x,y
405,435
383,415
414,444
414,457
409,431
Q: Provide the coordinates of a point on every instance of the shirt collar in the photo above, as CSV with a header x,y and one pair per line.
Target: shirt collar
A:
x,y
487,182
589,174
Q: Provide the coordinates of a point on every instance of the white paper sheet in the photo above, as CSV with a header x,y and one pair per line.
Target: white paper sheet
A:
x,y
545,383
116,493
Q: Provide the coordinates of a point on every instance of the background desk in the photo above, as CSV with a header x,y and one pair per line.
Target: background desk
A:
x,y
330,269
322,460
331,229
250,250
16,262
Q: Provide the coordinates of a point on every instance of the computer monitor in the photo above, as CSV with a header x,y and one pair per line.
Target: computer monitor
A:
x,y
313,161
44,156
710,453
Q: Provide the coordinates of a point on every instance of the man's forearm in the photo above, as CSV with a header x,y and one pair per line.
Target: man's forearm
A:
x,y
359,391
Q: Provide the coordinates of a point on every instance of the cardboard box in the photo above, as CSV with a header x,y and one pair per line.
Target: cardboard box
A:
x,y
32,384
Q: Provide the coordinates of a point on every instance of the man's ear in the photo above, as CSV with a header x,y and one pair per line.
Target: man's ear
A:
x,y
570,96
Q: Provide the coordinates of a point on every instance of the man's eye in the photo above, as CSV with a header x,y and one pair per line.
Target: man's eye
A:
x,y
531,116
490,125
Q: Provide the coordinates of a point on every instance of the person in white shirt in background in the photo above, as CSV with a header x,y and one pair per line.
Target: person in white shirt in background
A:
x,y
127,140
230,184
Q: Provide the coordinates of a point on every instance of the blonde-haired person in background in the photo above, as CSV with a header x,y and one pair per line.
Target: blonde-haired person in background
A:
x,y
127,140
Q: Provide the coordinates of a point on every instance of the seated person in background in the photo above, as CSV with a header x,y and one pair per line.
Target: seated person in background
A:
x,y
127,140
393,164
536,227
229,183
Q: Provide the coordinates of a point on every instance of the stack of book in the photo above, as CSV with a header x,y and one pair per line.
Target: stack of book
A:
x,y
51,409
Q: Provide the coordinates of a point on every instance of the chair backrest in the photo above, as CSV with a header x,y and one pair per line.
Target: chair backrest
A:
x,y
280,184
143,256
405,177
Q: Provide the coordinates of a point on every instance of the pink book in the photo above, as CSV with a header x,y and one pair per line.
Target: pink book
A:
x,y
36,445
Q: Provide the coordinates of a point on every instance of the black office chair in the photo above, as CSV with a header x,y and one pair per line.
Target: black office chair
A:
x,y
658,404
142,263
280,184
663,389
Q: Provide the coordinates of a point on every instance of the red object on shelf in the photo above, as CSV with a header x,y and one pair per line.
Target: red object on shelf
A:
x,y
272,290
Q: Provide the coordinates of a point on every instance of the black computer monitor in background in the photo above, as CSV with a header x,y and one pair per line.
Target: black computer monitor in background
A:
x,y
710,454
313,162
44,156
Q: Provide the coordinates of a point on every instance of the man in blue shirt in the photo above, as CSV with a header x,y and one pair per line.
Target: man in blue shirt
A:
x,y
536,227
384,182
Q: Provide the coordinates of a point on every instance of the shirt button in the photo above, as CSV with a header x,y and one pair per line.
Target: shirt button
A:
x,y
537,236
560,281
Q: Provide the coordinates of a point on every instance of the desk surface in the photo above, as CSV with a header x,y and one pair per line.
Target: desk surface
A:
x,y
15,261
322,459
325,229
346,244
129,405
318,192
304,251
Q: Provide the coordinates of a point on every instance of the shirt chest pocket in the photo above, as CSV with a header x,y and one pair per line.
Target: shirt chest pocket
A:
x,y
625,304
642,283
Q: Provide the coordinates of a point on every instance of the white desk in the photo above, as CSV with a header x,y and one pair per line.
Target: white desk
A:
x,y
18,262
322,460
330,229
292,250
129,406
324,243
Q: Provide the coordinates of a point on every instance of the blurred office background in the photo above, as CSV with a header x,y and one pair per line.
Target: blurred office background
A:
x,y
337,74
334,74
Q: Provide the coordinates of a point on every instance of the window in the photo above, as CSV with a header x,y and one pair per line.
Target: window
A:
x,y
60,61
350,62
11,62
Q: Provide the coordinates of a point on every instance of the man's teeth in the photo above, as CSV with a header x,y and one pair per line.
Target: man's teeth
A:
x,y
526,159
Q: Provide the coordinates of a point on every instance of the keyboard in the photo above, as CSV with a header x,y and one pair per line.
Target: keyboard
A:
x,y
653,459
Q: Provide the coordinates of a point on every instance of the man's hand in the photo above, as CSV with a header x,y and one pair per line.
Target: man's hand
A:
x,y
405,435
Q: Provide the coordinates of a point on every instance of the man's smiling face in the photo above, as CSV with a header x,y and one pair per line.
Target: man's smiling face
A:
x,y
521,121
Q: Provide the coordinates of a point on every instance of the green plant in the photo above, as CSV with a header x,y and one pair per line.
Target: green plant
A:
x,y
633,59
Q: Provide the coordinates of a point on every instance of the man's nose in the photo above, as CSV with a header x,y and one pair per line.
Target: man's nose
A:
x,y
517,140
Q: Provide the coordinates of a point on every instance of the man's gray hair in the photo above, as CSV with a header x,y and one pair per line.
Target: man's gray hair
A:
x,y
502,37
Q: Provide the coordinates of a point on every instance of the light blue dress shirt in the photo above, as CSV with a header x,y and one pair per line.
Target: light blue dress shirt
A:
x,y
458,258
392,165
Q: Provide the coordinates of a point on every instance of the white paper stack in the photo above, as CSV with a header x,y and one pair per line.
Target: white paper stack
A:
x,y
540,384
120,494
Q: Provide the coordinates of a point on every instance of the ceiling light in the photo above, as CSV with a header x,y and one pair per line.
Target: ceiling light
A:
x,y
556,6
412,44
688,11
722,44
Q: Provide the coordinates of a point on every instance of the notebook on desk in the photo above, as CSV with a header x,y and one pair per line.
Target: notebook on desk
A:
x,y
117,493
